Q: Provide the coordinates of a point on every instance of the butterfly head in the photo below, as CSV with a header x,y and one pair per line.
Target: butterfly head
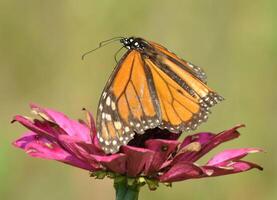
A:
x,y
133,43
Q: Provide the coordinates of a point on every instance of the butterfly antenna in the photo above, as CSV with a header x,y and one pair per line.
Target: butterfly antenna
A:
x,y
102,44
116,53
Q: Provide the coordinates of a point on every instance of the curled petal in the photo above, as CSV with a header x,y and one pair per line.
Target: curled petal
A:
x,y
91,125
207,141
33,126
72,145
115,163
24,140
202,138
138,160
162,149
37,146
181,171
224,163
71,127
231,154
91,148
230,168
90,122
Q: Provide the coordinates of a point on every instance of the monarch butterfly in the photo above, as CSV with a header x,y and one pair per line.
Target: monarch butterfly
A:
x,y
151,87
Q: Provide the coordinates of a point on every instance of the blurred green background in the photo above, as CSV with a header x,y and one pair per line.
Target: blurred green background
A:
x,y
41,43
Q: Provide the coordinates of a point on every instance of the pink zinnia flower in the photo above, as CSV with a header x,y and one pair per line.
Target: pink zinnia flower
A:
x,y
156,156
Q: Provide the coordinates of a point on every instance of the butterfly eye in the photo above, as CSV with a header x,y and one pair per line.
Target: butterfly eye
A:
x,y
124,41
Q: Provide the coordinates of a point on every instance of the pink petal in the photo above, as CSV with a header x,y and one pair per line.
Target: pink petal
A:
x,y
37,146
25,139
91,148
208,141
202,138
230,168
231,154
32,125
72,144
91,123
92,127
162,149
181,171
224,163
114,163
138,160
71,127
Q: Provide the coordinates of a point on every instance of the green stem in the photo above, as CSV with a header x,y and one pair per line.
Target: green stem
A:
x,y
125,191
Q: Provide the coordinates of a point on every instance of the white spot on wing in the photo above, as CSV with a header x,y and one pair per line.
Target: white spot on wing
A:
x,y
108,117
100,107
117,125
108,101
113,105
190,65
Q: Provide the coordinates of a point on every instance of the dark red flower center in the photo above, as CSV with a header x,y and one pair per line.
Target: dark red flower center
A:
x,y
156,133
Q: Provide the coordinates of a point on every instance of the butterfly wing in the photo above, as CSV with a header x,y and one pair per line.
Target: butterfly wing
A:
x,y
184,97
148,89
185,65
128,103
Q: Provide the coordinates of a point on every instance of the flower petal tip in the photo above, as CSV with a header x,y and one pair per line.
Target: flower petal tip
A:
x,y
34,105
240,126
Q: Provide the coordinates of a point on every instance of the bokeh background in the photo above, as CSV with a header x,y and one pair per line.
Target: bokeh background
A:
x,y
41,43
